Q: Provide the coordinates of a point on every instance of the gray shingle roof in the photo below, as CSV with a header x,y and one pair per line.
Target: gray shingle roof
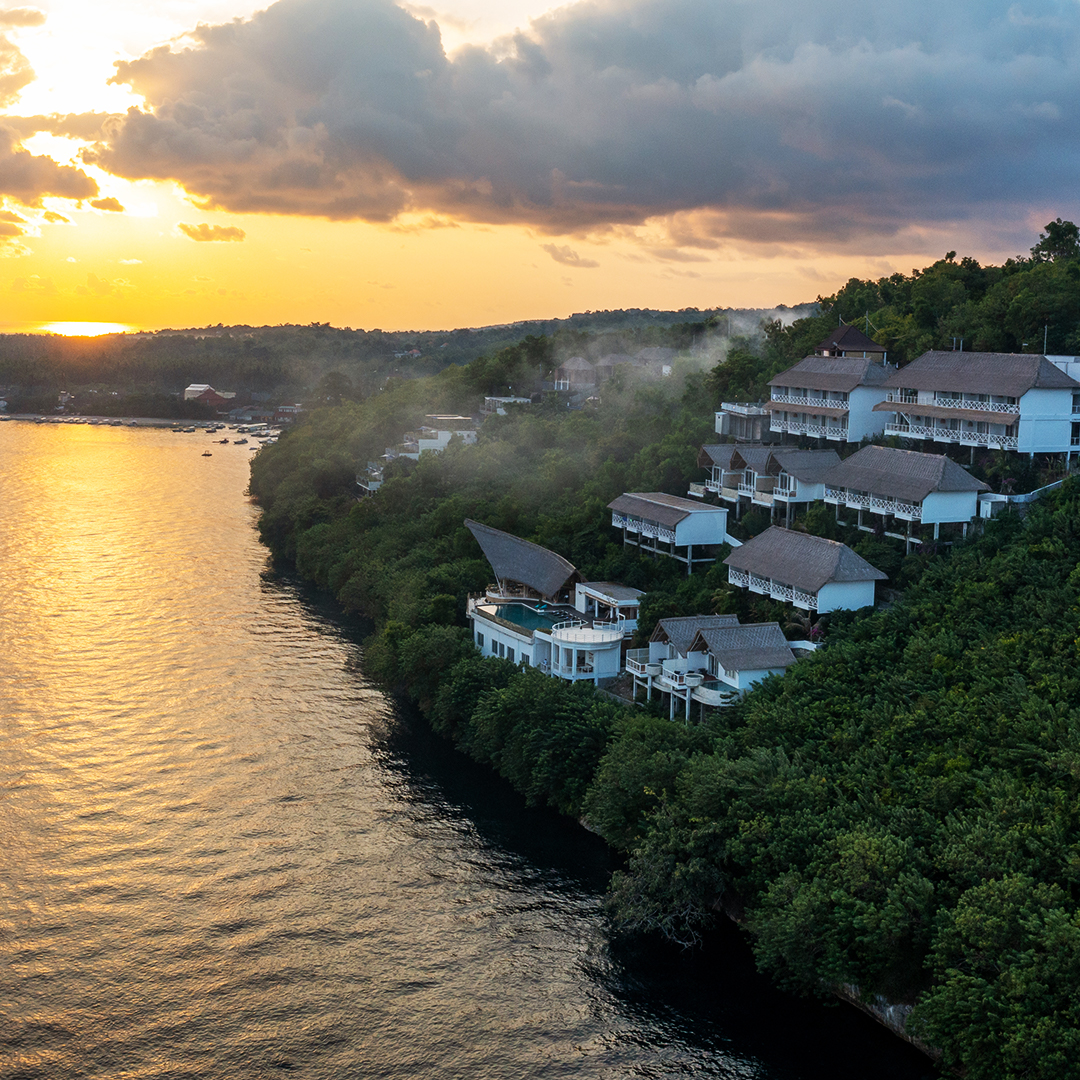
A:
x,y
800,559
833,373
901,474
753,647
809,466
514,559
756,456
681,630
667,510
1008,374
717,454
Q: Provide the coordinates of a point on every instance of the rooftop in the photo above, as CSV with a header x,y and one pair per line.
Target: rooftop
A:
x,y
807,562
656,506
902,474
752,647
514,559
839,373
1005,374
681,630
849,339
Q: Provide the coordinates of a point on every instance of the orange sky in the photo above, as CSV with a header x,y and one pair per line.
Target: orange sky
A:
x,y
149,257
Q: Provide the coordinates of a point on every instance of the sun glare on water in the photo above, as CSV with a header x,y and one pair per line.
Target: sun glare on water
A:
x,y
85,329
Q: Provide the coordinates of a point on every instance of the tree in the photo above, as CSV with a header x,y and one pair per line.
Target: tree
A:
x,y
1059,241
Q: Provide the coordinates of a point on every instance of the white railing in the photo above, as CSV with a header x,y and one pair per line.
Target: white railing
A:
x,y
779,591
881,504
901,398
636,659
744,408
808,402
570,671
786,491
738,578
943,434
976,406
620,521
804,599
805,427
758,584
747,489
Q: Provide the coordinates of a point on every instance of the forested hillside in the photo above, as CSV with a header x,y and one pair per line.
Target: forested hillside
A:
x,y
899,813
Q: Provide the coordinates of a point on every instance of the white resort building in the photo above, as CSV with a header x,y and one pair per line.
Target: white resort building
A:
x,y
904,489
668,525
527,617
807,571
708,659
1000,401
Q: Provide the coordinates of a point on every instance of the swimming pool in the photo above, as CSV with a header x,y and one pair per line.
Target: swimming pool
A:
x,y
528,618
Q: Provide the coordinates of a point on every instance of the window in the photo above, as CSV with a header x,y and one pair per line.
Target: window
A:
x,y
510,655
502,649
479,641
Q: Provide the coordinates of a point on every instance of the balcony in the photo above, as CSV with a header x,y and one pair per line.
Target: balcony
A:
x,y
955,435
976,406
698,490
636,661
574,632
876,504
715,693
739,578
776,590
807,402
809,427
744,408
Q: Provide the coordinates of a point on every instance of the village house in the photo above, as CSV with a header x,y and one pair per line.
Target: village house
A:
x,y
904,486
668,525
434,437
806,571
709,659
527,617
575,375
1000,401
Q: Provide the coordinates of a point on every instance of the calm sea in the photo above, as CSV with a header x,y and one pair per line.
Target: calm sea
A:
x,y
223,854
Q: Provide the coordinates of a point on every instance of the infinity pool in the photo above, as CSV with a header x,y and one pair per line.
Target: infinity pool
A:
x,y
528,618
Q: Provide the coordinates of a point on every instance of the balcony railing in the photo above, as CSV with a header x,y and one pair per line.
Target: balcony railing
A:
x,y
744,408
977,406
636,659
956,435
878,504
901,398
777,590
807,402
620,521
806,427
698,490
738,578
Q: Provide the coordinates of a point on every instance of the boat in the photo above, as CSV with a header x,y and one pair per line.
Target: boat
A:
x,y
239,442
223,442
206,453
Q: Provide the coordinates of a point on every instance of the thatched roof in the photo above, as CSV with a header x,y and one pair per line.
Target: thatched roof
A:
x,y
810,466
802,560
681,630
833,373
666,510
901,474
1005,374
849,339
752,647
517,560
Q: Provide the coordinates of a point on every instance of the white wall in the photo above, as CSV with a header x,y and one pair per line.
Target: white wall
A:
x,y
1045,422
847,595
946,506
862,420
703,527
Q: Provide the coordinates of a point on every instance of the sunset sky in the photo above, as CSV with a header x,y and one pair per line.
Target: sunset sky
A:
x,y
370,164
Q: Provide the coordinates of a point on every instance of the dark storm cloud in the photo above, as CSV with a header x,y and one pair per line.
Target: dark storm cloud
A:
x,y
781,120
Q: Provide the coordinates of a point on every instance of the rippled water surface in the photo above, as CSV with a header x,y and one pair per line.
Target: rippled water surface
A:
x,y
222,854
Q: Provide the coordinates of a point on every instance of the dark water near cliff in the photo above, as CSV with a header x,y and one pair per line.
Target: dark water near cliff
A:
x,y
222,854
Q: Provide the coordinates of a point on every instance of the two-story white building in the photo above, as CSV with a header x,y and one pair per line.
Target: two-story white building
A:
x,y
829,397
709,659
668,525
904,486
1000,401
807,571
527,616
